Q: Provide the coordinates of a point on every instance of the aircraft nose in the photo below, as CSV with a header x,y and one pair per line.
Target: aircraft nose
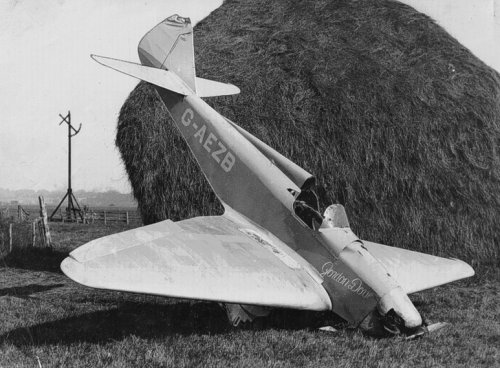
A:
x,y
398,301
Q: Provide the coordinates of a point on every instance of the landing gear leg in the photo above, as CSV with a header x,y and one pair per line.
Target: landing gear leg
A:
x,y
242,313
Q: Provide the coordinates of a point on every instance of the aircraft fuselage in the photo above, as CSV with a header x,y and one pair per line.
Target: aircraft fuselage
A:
x,y
249,184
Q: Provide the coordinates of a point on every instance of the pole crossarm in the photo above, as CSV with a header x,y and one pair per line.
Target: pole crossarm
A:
x,y
67,119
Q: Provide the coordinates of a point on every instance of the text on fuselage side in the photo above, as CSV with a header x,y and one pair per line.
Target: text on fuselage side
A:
x,y
213,145
354,285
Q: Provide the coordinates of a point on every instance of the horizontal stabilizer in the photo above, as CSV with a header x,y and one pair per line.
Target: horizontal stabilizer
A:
x,y
209,88
159,77
416,271
168,79
204,258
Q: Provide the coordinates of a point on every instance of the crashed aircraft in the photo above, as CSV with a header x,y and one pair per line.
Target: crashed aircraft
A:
x,y
271,248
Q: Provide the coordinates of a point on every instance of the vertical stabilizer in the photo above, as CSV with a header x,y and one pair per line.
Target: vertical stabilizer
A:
x,y
169,46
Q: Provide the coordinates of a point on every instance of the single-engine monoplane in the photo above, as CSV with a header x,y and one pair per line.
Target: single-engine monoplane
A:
x,y
272,247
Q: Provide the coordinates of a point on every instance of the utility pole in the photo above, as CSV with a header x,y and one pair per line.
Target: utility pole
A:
x,y
71,211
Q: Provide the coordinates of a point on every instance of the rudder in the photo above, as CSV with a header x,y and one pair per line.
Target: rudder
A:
x,y
169,46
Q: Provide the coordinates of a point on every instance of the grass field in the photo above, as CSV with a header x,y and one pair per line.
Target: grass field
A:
x,y
49,321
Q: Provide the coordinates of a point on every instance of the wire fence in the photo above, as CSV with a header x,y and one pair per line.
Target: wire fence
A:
x,y
106,215
24,227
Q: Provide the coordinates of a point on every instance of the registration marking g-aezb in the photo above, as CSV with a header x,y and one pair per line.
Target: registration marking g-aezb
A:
x,y
209,141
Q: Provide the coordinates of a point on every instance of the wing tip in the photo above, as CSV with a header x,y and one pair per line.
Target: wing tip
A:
x,y
98,58
74,270
236,90
466,269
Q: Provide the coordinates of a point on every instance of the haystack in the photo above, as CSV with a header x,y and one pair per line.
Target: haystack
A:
x,y
400,122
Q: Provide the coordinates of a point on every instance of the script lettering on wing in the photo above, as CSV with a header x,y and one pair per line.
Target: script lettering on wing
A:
x,y
354,285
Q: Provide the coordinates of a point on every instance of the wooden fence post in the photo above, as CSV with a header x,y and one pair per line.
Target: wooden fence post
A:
x,y
10,238
33,238
45,222
105,219
127,218
43,241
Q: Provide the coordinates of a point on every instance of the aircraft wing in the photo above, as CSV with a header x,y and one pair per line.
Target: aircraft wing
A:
x,y
205,258
418,271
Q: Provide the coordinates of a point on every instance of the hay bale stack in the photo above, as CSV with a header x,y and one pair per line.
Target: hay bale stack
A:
x,y
399,122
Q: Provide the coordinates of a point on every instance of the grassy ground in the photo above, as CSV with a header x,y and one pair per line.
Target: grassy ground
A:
x,y
48,320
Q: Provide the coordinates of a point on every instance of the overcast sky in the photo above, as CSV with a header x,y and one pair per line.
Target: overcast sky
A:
x,y
475,23
45,69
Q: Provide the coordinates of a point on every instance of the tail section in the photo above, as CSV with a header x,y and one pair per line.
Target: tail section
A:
x,y
169,46
167,56
250,178
245,174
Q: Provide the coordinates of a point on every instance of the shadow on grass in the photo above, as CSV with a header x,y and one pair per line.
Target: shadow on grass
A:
x,y
23,291
150,321
35,259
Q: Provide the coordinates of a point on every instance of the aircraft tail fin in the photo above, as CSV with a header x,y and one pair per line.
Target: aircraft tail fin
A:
x,y
169,47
